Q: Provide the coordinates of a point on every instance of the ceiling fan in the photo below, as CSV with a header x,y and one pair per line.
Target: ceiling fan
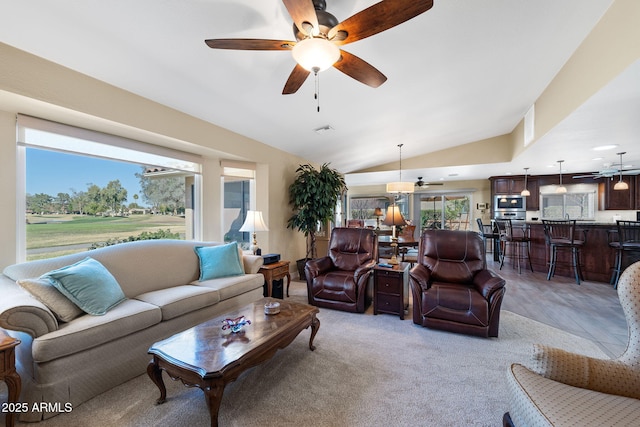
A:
x,y
318,35
421,183
611,170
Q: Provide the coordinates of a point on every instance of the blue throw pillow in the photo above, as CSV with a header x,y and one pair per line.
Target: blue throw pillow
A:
x,y
219,261
89,285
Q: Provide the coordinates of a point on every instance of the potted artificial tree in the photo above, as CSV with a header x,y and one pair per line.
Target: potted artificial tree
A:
x,y
313,196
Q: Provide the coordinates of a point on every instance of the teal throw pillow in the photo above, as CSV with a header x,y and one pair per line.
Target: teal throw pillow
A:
x,y
219,261
89,285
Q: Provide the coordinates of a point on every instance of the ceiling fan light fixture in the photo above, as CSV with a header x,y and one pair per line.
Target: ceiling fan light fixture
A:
x,y
315,54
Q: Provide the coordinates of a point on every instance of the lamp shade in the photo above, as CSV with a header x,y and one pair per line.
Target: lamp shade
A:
x,y
621,185
378,212
561,189
254,222
394,216
400,187
315,54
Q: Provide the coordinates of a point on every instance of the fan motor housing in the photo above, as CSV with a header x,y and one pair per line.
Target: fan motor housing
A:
x,y
326,21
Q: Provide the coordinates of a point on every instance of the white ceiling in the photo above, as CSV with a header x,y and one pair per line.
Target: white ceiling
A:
x,y
464,71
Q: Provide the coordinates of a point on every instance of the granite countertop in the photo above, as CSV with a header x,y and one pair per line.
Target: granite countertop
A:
x,y
582,223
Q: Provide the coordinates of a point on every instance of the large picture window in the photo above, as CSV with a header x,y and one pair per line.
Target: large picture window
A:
x,y
84,189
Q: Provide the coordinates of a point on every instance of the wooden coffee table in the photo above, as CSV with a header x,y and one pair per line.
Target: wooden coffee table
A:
x,y
207,357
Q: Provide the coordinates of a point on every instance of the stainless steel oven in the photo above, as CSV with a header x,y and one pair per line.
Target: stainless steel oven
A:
x,y
510,207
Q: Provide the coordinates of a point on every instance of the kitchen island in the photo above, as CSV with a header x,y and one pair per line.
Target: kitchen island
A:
x,y
596,258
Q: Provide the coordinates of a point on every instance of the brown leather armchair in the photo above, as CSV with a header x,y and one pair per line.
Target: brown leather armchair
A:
x,y
339,280
451,286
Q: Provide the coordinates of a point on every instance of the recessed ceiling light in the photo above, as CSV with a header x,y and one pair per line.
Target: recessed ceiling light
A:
x,y
597,158
453,174
605,147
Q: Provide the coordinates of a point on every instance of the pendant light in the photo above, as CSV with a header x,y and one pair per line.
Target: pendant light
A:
x,y
526,191
561,189
621,185
399,186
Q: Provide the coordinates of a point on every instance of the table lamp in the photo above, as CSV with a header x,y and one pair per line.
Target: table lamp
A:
x,y
378,213
252,223
393,218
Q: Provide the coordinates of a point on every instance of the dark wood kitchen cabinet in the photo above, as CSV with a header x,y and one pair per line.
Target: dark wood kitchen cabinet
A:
x,y
619,199
508,185
515,185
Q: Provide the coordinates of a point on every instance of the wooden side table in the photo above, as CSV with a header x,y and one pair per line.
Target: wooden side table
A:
x,y
391,289
8,372
276,271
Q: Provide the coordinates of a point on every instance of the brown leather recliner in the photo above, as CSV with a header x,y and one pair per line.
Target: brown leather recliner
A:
x,y
339,280
451,286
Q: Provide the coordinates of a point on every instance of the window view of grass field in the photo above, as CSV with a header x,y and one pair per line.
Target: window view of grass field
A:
x,y
85,202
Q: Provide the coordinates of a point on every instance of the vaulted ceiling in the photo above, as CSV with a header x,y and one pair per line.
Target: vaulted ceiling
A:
x,y
464,71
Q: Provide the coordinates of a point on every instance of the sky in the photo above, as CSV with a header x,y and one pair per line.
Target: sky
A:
x,y
52,172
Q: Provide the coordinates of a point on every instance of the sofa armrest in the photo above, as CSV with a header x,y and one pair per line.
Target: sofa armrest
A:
x,y
21,312
252,263
487,282
605,376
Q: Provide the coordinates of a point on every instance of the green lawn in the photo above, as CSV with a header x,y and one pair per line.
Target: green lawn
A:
x,y
62,230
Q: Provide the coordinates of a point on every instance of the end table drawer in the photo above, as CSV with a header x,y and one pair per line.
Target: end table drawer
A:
x,y
388,303
389,285
281,271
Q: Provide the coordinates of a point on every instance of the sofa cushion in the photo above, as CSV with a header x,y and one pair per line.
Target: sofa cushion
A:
x,y
44,291
179,300
229,287
90,331
219,261
89,285
455,303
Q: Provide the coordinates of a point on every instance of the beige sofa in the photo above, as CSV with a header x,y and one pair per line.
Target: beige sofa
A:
x,y
566,389
71,362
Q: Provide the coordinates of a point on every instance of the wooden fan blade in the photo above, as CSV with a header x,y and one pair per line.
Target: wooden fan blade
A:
x,y
295,80
302,11
250,44
359,69
379,17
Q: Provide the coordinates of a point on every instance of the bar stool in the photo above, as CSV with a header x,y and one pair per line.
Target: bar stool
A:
x,y
628,242
516,238
560,234
488,232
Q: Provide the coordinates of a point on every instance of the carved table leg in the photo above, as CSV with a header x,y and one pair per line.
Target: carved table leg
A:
x,y
315,325
14,384
155,373
213,395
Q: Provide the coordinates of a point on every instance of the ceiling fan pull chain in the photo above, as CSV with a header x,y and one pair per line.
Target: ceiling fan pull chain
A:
x,y
317,94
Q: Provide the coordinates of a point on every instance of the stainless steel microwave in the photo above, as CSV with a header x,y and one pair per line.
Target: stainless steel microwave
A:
x,y
515,202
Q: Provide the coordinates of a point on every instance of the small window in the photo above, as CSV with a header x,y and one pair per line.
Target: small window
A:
x,y
577,203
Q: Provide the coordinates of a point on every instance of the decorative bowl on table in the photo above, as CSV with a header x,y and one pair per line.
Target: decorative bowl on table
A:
x,y
236,324
272,307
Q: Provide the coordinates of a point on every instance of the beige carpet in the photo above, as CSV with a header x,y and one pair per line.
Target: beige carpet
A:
x,y
366,371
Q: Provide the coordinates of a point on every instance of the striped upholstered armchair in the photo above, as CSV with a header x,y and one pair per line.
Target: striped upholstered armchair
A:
x,y
562,388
